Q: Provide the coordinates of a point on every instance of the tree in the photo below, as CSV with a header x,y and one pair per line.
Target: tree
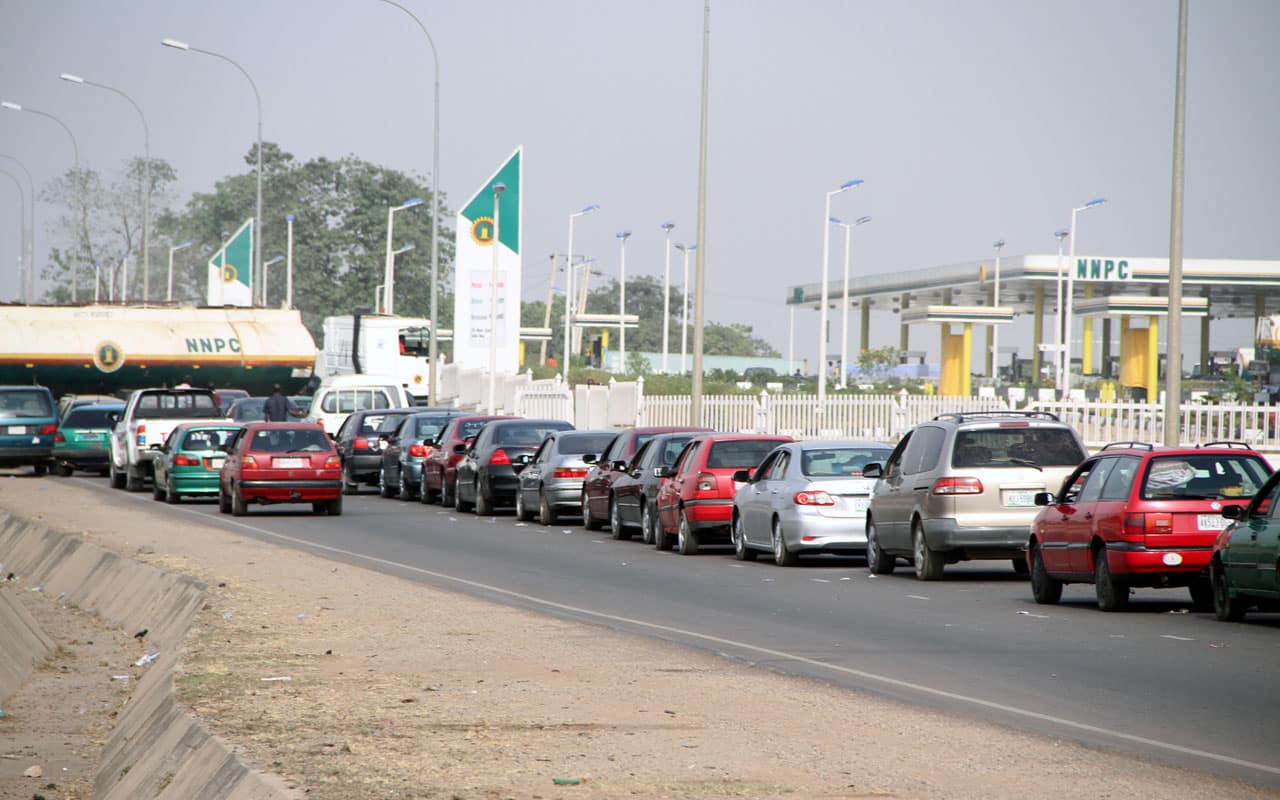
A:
x,y
879,360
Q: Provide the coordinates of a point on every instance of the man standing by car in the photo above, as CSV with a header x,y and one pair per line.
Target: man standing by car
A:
x,y
278,408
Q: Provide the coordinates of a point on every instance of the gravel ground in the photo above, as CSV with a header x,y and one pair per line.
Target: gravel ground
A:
x,y
353,685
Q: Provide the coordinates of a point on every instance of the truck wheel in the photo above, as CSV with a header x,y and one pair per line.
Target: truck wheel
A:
x,y
133,480
117,477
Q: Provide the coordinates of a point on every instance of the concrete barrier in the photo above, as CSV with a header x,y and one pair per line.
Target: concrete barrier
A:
x,y
156,749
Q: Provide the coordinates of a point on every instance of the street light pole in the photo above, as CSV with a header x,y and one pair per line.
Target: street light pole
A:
x,y
568,294
266,276
1071,272
169,295
288,267
258,224
995,329
844,305
28,233
695,383
22,234
389,271
498,189
1173,338
666,296
684,309
822,316
623,236
146,177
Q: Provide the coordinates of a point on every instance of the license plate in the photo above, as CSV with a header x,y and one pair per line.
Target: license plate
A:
x,y
19,429
1019,499
859,505
290,463
216,463
1213,522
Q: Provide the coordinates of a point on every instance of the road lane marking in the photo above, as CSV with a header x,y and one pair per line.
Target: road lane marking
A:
x,y
764,651
917,597
1176,638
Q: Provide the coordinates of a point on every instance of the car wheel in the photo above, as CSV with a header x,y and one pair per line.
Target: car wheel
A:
x,y
445,499
686,538
424,496
927,561
384,490
132,480
117,477
41,469
238,505
458,502
546,511
615,520
1113,595
589,522
406,491
349,486
740,549
1201,594
1046,590
171,495
646,523
661,539
1225,607
335,507
878,561
1020,565
157,492
522,510
224,502
320,507
484,505
64,470
783,556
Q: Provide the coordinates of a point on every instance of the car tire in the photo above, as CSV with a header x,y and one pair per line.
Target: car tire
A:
x,y
616,528
458,503
171,495
349,486
661,539
384,490
406,491
546,512
1225,607
646,523
157,492
878,561
741,550
589,522
41,469
1113,595
320,507
686,537
1019,565
224,502
928,562
445,499
63,470
133,481
522,511
1201,594
783,556
334,508
424,496
239,507
117,477
1047,591
484,505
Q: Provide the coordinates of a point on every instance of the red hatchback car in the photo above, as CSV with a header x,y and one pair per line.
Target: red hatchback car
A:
x,y
281,462
607,467
1139,515
696,505
440,467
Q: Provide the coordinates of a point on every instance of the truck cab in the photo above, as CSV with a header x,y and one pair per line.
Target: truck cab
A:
x,y
140,430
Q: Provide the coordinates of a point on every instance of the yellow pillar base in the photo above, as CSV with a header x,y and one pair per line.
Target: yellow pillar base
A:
x,y
1153,359
1086,351
957,362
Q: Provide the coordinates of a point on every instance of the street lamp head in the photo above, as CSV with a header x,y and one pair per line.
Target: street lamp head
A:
x,y
836,220
847,185
590,208
417,201
999,243
1062,234
623,235
498,188
67,76
290,218
275,260
862,220
667,226
183,246
11,106
175,44
405,249
1097,201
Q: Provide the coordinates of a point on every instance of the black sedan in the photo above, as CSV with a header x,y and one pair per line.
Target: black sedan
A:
x,y
487,475
406,448
635,492
360,447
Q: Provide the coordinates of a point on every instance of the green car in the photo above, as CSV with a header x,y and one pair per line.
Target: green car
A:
x,y
83,438
190,460
1245,568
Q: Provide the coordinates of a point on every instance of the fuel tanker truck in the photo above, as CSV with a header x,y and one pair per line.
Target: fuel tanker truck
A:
x,y
103,349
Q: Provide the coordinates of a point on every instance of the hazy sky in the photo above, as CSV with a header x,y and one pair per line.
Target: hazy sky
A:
x,y
969,121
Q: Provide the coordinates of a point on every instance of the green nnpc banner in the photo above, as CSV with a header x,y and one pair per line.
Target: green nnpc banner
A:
x,y
231,270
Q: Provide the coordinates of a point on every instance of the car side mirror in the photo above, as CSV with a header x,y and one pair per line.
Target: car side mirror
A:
x,y
459,449
1043,499
873,470
1233,512
666,472
659,472
742,476
589,458
113,417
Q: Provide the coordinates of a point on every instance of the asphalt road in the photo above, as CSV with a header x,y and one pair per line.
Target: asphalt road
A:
x,y
1158,680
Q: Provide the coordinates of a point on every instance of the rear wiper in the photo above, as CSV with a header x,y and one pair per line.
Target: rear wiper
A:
x,y
1022,462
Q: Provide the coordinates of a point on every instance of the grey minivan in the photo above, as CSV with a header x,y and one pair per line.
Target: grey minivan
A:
x,y
963,486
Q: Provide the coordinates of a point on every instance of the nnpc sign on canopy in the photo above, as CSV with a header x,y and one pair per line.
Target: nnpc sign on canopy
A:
x,y
1102,269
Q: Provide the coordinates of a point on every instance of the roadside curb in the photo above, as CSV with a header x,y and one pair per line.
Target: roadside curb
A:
x,y
156,748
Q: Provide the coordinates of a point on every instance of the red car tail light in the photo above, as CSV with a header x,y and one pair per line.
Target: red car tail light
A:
x,y
142,433
499,458
360,443
58,437
333,462
1159,523
706,482
1135,526
957,486
45,430
814,498
567,472
417,451
249,461
181,460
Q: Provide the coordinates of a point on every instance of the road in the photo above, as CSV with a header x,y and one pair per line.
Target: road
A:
x,y
1156,681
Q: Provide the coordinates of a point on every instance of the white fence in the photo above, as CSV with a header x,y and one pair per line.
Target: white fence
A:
x,y
1100,423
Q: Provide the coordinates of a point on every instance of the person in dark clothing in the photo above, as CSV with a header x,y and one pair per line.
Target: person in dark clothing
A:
x,y
278,408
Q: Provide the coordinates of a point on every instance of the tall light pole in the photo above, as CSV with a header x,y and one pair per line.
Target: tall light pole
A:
x,y
695,383
622,236
568,294
498,189
382,286
75,148
28,232
1173,338
844,305
684,309
433,351
288,267
266,275
826,267
666,295
146,177
169,295
389,271
22,234
1071,273
258,224
995,329
1061,235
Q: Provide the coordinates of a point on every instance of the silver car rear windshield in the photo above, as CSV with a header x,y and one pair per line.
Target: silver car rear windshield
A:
x,y
1016,445
1205,476
840,462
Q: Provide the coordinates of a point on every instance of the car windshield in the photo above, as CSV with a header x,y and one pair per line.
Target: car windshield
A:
x,y
523,435
371,424
840,461
1204,476
575,444
200,439
25,404
471,427
428,428
176,405
671,449
81,418
1016,447
253,409
739,454
289,440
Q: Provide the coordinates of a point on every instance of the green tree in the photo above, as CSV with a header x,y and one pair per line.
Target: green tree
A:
x,y
879,360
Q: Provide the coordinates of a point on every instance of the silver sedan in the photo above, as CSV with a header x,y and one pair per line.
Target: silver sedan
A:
x,y
806,497
551,479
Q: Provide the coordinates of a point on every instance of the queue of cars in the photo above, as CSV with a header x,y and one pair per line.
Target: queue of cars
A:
x,y
1004,485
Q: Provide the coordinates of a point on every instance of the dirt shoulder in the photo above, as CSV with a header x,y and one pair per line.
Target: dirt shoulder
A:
x,y
355,685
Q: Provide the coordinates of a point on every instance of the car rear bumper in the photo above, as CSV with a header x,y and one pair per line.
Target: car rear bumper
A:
x,y
812,532
1136,561
563,493
709,514
502,486
27,454
364,465
81,456
944,534
197,483
290,491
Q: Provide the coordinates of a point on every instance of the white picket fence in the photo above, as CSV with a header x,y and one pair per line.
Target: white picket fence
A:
x,y
1101,423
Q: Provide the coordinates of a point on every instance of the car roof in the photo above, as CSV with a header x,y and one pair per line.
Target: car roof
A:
x,y
97,407
213,423
965,417
523,421
1146,448
368,412
485,417
253,426
743,437
669,429
827,444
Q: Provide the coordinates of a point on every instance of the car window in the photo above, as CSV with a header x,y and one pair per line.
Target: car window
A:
x,y
1016,444
1265,505
581,443
289,440
610,451
427,428
175,406
894,463
89,418
329,402
208,438
1120,481
831,462
739,453
671,449
1204,476
688,457
373,424
544,451
642,456
522,435
1097,479
1074,484
765,467
778,470
470,428
25,403
923,451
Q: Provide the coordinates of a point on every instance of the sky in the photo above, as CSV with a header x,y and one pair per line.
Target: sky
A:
x,y
968,121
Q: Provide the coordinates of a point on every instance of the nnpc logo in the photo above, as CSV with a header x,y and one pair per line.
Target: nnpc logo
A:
x,y
213,344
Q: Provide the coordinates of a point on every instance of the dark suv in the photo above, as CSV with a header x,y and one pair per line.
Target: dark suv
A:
x,y
28,422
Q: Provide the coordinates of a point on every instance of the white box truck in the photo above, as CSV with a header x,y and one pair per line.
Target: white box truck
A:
x,y
392,349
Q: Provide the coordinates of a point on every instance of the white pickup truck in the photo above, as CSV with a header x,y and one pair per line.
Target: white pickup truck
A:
x,y
141,429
